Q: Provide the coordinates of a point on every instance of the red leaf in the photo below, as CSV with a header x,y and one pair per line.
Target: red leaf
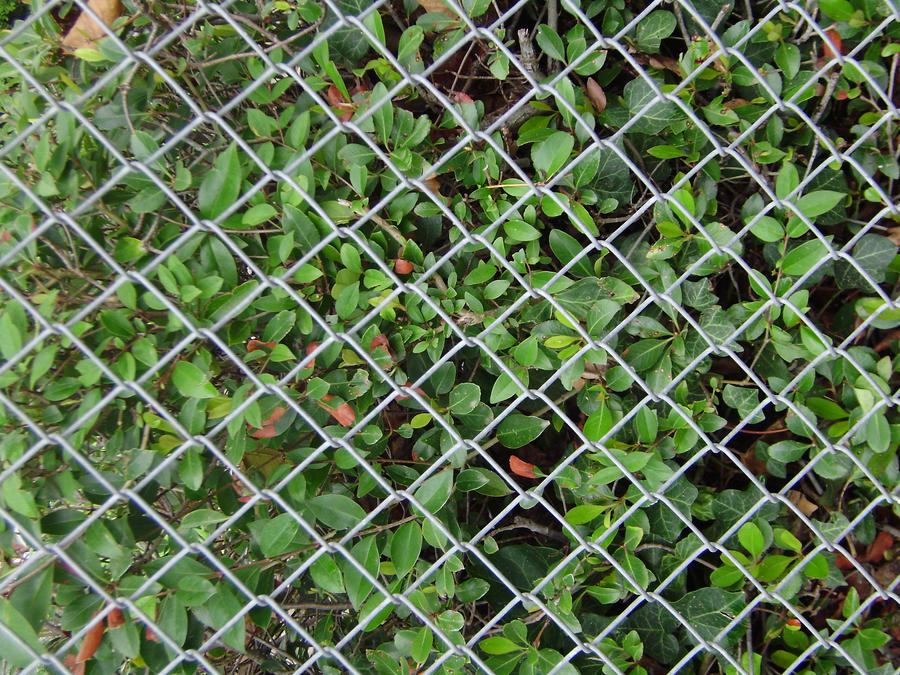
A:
x,y
253,345
335,97
794,623
268,431
268,427
462,98
310,348
115,618
596,95
521,467
91,642
881,544
835,38
842,563
379,341
343,413
402,266
151,636
418,390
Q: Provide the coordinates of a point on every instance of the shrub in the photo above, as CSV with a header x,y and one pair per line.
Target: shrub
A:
x,y
364,346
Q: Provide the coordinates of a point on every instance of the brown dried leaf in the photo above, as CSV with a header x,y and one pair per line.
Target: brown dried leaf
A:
x,y
894,234
343,413
882,543
86,31
799,500
596,95
436,6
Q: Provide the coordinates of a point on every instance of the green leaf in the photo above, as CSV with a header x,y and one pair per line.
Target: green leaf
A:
x,y
550,42
518,430
191,382
645,354
585,513
222,186
173,619
201,518
327,575
295,222
435,491
657,627
598,423
406,545
635,567
742,399
10,337
498,644
347,300
709,610
506,387
663,521
258,214
878,432
646,424
566,248
464,397
190,468
336,511
653,29
15,634
550,154
787,451
751,539
358,586
872,255
837,10
659,113
278,534
31,597
483,481
767,229
804,257
422,644
219,610
816,203
519,231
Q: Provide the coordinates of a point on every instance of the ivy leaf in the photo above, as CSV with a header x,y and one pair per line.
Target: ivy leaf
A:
x,y
663,521
658,114
518,430
709,610
653,29
656,625
872,254
744,400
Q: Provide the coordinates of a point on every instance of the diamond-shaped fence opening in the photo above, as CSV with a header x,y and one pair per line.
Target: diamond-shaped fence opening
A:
x,y
441,337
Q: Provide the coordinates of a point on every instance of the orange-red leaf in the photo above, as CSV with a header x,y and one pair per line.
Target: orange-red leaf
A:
x,y
310,348
268,431
91,642
343,413
835,38
462,97
335,97
881,544
402,266
379,341
253,345
151,636
596,95
115,618
521,467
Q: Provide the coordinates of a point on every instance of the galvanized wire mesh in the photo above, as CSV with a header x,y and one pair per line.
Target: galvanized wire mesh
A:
x,y
214,120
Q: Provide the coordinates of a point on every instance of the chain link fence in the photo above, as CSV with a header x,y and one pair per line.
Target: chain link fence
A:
x,y
440,338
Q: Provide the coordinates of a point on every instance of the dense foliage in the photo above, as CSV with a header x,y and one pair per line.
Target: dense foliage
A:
x,y
392,339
